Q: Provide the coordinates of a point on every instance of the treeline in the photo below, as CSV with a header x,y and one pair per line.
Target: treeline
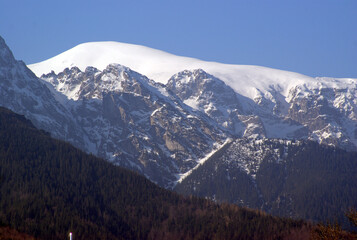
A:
x,y
322,181
49,188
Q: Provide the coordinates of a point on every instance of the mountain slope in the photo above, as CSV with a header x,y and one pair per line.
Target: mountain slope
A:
x,y
48,188
288,178
134,122
22,92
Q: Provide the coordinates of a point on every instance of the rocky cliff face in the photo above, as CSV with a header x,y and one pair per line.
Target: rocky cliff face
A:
x,y
135,122
211,96
319,112
329,114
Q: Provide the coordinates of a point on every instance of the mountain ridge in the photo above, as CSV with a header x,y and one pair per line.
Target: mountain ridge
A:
x,y
277,100
160,66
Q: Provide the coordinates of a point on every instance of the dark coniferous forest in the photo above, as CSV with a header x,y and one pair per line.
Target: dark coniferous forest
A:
x,y
314,182
49,188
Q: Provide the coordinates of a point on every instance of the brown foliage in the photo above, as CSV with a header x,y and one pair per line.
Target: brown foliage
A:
x,y
7,233
331,232
335,232
352,216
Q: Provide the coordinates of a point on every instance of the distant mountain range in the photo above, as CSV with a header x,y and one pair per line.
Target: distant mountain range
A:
x,y
167,117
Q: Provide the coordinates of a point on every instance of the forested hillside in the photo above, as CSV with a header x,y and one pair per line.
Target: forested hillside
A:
x,y
299,179
49,188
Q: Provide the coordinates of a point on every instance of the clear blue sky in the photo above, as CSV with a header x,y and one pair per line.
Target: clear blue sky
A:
x,y
313,37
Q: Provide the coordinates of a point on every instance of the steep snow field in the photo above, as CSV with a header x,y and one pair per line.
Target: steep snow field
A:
x,y
160,66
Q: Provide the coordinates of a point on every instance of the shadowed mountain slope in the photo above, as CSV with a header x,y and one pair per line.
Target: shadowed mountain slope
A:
x,y
49,188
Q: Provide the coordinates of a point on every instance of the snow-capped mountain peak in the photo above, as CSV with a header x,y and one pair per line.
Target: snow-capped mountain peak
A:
x,y
160,66
159,113
249,101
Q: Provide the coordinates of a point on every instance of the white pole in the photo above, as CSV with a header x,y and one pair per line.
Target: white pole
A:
x,y
70,236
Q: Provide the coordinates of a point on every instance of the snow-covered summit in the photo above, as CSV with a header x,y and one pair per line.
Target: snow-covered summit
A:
x,y
266,103
160,66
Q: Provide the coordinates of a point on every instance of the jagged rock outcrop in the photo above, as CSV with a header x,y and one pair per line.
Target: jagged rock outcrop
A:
x,y
324,111
134,122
